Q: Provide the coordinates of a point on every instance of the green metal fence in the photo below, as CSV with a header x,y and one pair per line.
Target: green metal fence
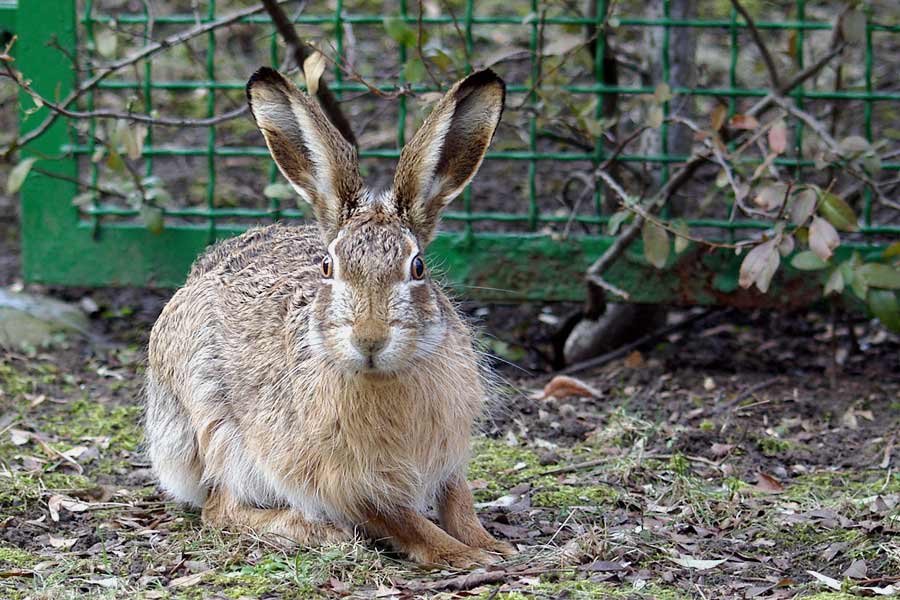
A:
x,y
526,248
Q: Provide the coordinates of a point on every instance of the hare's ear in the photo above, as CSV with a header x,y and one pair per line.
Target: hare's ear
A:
x,y
309,151
445,153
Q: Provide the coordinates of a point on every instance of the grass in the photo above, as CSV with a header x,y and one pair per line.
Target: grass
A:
x,y
647,499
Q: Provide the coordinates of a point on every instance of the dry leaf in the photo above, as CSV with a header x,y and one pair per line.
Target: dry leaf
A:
x,y
62,543
313,67
718,449
767,483
686,560
743,122
717,118
827,581
778,137
58,501
19,437
635,360
760,265
858,569
188,580
563,386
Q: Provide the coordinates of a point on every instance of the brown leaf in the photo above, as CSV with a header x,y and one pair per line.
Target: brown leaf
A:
x,y
717,118
563,386
189,580
740,121
767,483
635,360
718,449
778,137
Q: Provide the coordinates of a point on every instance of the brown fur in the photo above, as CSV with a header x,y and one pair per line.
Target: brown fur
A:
x,y
303,406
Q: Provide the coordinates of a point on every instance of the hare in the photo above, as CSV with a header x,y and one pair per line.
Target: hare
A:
x,y
311,382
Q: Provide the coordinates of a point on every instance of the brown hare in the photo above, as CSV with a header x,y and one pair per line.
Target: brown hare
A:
x,y
312,382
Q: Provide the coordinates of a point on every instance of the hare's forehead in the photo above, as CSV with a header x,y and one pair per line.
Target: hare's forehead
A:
x,y
374,247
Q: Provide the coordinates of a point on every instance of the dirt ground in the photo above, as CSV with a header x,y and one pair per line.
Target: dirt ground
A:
x,y
718,464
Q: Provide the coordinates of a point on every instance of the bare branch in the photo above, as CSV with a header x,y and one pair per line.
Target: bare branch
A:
x,y
129,116
144,53
298,49
757,39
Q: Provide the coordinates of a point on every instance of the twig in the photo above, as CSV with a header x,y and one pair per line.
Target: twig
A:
x,y
434,79
757,39
888,449
744,394
112,114
145,52
326,97
621,351
467,581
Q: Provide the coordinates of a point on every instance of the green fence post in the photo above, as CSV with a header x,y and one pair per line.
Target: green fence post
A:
x,y
48,217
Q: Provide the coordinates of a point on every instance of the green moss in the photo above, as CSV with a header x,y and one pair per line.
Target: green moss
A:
x,y
773,446
501,467
834,489
21,491
15,382
584,589
14,557
84,418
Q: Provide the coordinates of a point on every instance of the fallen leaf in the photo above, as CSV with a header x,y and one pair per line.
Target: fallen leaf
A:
x,y
19,437
387,592
63,543
109,583
858,569
635,360
606,566
718,449
826,580
58,501
188,580
563,386
688,561
767,483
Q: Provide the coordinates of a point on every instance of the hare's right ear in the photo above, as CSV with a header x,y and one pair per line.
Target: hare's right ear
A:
x,y
445,153
310,152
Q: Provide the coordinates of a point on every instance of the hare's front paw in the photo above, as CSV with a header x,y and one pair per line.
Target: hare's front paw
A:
x,y
498,547
462,557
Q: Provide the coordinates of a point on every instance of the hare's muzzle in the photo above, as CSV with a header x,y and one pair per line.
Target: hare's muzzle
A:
x,y
370,337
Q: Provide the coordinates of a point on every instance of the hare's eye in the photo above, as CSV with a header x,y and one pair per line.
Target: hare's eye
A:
x,y
327,267
417,268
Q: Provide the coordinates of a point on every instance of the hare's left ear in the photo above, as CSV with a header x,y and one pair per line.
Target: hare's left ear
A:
x,y
445,153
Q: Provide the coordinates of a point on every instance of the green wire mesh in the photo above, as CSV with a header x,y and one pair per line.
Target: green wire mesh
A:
x,y
206,201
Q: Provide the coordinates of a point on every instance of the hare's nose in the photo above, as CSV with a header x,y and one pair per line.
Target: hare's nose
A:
x,y
370,337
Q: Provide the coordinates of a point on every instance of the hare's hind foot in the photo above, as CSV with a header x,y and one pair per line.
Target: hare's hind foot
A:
x,y
223,511
423,541
457,513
